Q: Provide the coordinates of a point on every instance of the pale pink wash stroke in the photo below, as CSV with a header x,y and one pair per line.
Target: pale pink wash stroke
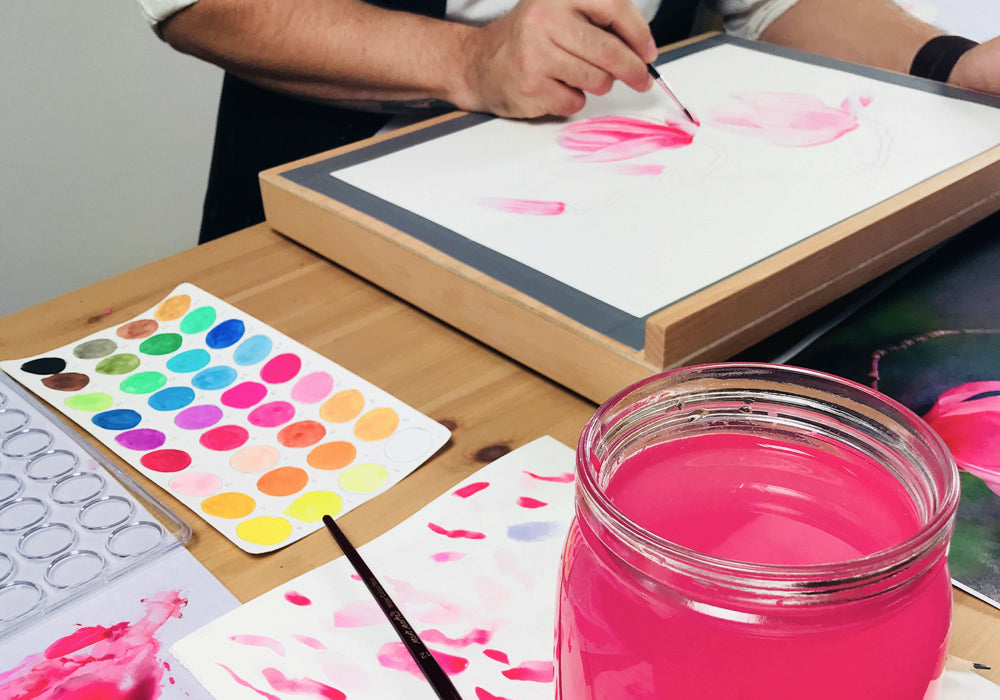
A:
x,y
533,207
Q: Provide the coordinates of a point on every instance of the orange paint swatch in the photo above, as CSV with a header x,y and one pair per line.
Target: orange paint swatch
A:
x,y
283,481
342,406
173,308
229,505
377,424
301,434
332,455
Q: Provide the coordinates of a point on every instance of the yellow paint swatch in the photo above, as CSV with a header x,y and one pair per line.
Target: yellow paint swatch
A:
x,y
377,424
342,406
230,504
172,308
363,478
264,531
312,506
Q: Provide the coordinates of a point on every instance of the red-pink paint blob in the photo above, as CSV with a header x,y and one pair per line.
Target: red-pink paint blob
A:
x,y
532,207
244,395
566,478
476,636
224,438
312,388
497,655
272,414
471,489
114,663
442,557
257,640
281,368
456,534
296,598
166,461
482,694
784,118
394,655
534,671
620,138
526,502
301,686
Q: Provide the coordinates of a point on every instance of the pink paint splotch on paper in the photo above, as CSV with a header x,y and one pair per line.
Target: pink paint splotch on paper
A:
x,y
394,655
531,207
296,598
604,139
534,671
566,478
471,489
282,684
259,640
787,119
456,534
119,662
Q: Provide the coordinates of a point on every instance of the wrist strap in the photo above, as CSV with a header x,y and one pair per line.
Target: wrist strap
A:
x,y
937,57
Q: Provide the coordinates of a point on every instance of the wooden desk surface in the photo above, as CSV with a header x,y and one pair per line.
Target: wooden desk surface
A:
x,y
491,403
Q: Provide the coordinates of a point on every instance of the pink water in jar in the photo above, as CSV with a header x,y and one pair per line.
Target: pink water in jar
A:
x,y
754,531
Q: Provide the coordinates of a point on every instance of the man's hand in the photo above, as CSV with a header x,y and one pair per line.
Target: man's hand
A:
x,y
542,57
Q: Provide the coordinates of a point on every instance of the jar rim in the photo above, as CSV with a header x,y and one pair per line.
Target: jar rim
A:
x,y
933,532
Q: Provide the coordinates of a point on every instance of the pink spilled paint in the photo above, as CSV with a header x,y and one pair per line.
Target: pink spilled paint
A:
x,y
395,656
482,694
456,534
526,502
535,671
532,207
620,138
470,489
476,636
566,478
301,686
296,598
311,642
447,556
114,663
257,640
497,655
786,118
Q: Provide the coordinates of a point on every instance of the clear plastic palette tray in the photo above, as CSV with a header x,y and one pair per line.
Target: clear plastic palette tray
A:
x,y
70,519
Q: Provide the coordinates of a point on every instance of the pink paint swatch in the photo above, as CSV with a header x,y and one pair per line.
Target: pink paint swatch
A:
x,y
639,169
785,118
497,655
620,138
442,557
301,686
394,655
310,642
257,640
526,502
535,671
455,534
534,207
561,479
482,694
476,636
296,598
360,614
471,489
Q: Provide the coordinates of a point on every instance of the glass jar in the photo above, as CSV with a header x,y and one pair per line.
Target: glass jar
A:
x,y
756,531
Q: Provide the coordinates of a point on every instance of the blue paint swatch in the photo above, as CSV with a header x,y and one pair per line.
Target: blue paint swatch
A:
x,y
214,378
117,419
171,398
253,350
225,334
534,531
189,361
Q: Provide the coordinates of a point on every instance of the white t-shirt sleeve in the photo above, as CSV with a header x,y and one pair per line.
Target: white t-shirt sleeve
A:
x,y
749,18
155,11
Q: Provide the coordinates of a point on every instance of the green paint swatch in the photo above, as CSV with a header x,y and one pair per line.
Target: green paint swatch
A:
x,y
143,383
199,320
94,401
118,364
161,344
92,349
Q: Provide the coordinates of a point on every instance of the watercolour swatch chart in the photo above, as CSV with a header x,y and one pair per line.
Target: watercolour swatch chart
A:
x,y
256,433
475,572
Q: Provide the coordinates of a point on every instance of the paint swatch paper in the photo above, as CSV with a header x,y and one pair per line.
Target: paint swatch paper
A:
x,y
253,431
632,205
475,572
115,643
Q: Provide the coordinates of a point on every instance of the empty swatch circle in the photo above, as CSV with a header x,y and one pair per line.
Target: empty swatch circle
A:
x,y
225,334
198,320
252,350
161,344
7,566
77,488
26,443
66,381
44,365
141,439
172,398
283,481
310,507
51,465
343,406
214,378
166,461
363,478
74,569
143,382
281,368
332,455
272,414
408,445
312,388
189,361
12,419
301,434
18,598
117,419
10,486
224,438
229,505
377,424
254,459
138,329
118,364
94,401
92,349
172,308
22,513
198,417
134,538
46,541
264,531
105,512
244,395
198,484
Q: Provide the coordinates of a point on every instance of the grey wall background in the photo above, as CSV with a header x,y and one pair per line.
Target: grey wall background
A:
x,y
105,139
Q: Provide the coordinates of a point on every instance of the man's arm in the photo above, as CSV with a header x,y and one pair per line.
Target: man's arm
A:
x,y
539,59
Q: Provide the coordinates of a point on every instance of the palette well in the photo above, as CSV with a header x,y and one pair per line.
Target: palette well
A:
x,y
70,520
253,431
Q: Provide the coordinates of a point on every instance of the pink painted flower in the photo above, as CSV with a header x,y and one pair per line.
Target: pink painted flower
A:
x,y
619,138
967,418
787,119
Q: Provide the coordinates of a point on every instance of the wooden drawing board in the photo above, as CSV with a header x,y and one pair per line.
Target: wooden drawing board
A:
x,y
513,303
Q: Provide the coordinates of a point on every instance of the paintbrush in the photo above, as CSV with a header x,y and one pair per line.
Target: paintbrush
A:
x,y
666,88
429,666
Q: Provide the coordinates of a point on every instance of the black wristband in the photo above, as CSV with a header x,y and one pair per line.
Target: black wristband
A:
x,y
937,57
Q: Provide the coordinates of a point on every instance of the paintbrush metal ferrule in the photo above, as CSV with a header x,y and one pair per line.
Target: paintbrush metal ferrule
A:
x,y
670,93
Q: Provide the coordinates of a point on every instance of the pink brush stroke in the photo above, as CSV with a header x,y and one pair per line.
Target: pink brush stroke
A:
x,y
526,502
471,489
394,655
456,534
532,207
257,640
364,613
497,655
296,598
442,557
534,671
620,138
566,478
476,636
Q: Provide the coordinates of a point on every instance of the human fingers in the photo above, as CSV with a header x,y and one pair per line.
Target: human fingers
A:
x,y
602,57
